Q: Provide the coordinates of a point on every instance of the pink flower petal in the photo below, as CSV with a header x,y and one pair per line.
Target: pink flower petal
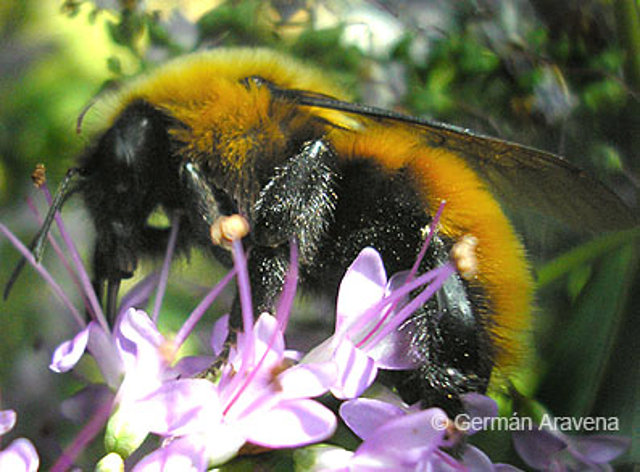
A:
x,y
181,407
409,438
292,423
365,415
181,454
397,281
537,446
268,336
362,286
356,371
599,449
136,332
306,380
67,354
102,347
219,334
7,421
20,456
477,405
367,463
505,468
190,366
324,351
476,460
140,345
392,352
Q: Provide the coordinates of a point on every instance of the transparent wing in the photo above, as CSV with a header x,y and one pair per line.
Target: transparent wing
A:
x,y
519,176
540,181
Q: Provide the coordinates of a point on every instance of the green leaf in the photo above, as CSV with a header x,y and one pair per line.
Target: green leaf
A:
x,y
583,254
584,347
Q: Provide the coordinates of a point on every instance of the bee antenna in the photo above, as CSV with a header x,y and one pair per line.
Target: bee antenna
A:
x,y
82,114
108,87
37,245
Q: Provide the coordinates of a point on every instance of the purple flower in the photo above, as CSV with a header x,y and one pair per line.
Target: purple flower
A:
x,y
182,454
397,436
134,357
251,396
21,455
135,360
258,394
270,385
544,449
369,311
256,388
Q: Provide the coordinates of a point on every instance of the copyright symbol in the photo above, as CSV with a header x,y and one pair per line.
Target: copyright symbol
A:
x,y
439,422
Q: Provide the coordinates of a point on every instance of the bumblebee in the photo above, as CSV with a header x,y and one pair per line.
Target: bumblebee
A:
x,y
255,133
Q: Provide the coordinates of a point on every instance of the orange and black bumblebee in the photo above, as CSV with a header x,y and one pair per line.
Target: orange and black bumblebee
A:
x,y
253,132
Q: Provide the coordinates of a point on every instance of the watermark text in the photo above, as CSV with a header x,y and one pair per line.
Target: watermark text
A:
x,y
565,424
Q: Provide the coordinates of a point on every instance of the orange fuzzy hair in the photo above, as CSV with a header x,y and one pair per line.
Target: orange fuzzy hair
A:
x,y
503,272
207,93
213,78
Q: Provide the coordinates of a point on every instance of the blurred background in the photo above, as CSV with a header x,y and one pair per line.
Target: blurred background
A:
x,y
560,76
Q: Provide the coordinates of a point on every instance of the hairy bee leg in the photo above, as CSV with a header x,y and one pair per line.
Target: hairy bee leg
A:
x,y
458,362
449,336
298,201
206,205
210,204
450,363
267,271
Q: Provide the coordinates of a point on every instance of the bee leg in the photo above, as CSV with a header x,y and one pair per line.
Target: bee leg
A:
x,y
454,352
450,339
201,192
209,204
297,202
457,363
267,271
112,262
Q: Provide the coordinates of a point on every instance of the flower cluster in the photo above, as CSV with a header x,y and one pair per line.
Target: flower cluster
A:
x,y
252,394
